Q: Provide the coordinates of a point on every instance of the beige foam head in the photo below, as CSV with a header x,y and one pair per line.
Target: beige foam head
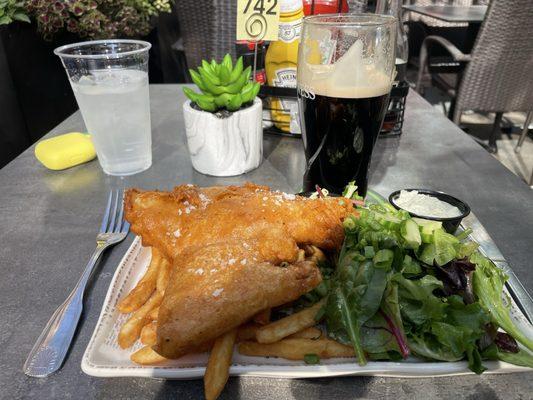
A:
x,y
352,76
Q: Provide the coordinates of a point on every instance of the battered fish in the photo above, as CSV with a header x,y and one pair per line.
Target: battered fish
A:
x,y
227,245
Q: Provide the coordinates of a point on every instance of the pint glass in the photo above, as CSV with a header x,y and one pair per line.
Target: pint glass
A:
x,y
345,74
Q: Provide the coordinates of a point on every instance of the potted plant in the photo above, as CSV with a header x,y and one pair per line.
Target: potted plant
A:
x,y
223,123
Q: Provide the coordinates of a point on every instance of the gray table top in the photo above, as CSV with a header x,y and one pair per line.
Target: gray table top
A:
x,y
49,220
471,14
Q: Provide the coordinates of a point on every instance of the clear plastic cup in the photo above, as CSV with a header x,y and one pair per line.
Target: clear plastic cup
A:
x,y
110,81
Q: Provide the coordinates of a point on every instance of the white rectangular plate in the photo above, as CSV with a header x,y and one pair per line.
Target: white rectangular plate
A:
x,y
104,358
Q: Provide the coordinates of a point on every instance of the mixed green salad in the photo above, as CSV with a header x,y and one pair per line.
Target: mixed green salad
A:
x,y
403,286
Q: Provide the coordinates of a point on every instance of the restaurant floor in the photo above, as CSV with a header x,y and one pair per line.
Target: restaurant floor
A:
x,y
480,126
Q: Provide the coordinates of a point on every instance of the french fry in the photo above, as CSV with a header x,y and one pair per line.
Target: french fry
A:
x,y
263,317
148,334
297,349
217,370
289,325
131,330
247,331
146,356
152,315
313,253
163,276
308,333
301,255
144,288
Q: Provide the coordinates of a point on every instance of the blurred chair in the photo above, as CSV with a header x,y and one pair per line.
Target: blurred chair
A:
x,y
525,130
461,34
498,74
207,28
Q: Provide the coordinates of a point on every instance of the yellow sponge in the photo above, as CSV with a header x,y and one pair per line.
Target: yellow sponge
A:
x,y
65,151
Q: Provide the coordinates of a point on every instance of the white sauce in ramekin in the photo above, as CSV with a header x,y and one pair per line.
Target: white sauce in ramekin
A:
x,y
425,205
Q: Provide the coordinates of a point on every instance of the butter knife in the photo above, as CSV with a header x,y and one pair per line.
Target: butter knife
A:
x,y
490,250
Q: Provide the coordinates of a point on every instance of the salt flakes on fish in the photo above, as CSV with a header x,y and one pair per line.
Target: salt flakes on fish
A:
x,y
179,211
204,198
244,261
177,233
288,196
231,261
217,292
199,271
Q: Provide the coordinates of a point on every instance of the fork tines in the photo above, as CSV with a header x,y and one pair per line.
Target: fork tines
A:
x,y
113,221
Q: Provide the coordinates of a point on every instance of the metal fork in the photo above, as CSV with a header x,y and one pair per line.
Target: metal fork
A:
x,y
50,350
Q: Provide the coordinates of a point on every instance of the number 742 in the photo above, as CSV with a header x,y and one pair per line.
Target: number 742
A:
x,y
260,6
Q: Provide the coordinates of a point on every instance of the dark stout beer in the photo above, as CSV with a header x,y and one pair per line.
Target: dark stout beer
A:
x,y
345,71
339,135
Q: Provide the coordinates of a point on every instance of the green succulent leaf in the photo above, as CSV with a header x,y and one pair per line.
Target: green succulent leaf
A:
x,y
235,103
191,94
237,70
206,106
226,61
208,76
247,91
206,66
197,79
223,99
225,85
224,75
237,86
247,73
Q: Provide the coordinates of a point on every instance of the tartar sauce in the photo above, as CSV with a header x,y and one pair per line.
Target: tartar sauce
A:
x,y
425,205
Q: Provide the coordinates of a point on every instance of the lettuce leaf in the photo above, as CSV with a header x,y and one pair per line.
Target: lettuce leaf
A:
x,y
523,357
354,297
488,282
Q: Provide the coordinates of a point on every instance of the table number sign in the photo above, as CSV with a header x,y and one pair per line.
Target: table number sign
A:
x,y
257,20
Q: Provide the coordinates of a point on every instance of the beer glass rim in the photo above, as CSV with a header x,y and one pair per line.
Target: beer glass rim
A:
x,y
350,20
63,51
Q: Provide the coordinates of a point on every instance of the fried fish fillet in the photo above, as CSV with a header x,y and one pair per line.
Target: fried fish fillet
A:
x,y
226,245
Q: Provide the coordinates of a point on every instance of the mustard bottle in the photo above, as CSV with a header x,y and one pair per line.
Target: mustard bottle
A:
x,y
280,64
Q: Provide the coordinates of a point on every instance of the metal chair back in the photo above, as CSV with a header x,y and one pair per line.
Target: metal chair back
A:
x,y
499,76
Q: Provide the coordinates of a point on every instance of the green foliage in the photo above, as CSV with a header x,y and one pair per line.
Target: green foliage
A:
x,y
12,10
488,287
355,297
96,19
223,86
392,293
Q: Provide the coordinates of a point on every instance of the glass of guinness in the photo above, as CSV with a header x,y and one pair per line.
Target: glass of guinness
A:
x,y
345,74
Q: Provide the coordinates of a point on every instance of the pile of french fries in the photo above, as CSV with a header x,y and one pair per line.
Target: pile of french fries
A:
x,y
294,337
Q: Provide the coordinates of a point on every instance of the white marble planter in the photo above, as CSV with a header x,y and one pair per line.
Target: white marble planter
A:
x,y
224,146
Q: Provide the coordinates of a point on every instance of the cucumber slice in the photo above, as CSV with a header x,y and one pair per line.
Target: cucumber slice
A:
x,y
411,233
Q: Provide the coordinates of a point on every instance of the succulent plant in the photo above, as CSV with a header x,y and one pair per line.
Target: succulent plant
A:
x,y
223,86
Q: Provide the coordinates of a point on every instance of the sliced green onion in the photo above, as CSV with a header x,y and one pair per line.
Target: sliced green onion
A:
x,y
311,359
349,190
383,259
464,234
369,252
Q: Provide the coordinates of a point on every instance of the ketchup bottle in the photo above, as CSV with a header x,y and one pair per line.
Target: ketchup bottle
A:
x,y
313,7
